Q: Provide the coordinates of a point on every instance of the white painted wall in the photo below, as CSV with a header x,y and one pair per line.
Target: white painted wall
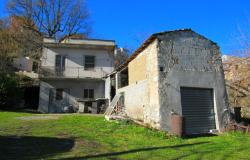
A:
x,y
23,64
74,63
107,87
76,92
76,87
135,96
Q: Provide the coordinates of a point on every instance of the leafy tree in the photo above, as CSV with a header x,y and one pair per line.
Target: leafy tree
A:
x,y
9,91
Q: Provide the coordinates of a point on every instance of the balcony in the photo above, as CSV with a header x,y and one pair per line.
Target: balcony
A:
x,y
71,72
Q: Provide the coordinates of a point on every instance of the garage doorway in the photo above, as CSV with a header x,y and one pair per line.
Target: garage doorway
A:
x,y
197,110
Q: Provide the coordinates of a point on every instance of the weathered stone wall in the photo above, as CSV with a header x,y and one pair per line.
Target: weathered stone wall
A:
x,y
142,94
189,60
137,68
152,110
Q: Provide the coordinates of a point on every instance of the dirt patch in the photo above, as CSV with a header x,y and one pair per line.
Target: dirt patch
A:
x,y
81,143
62,135
43,117
25,130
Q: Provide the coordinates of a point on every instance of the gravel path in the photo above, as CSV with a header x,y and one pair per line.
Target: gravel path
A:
x,y
39,117
53,116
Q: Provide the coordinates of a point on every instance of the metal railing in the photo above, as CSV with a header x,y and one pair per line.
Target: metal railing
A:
x,y
70,72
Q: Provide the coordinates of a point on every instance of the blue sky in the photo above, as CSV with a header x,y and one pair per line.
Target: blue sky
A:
x,y
130,21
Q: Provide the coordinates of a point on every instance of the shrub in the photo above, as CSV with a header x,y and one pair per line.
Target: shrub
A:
x,y
9,89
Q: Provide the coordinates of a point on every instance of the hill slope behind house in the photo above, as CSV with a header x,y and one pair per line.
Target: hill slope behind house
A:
x,y
237,75
76,136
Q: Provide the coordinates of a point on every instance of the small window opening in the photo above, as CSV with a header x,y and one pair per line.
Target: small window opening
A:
x,y
161,69
88,93
89,62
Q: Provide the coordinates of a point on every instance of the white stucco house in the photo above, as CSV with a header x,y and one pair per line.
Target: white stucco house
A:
x,y
71,74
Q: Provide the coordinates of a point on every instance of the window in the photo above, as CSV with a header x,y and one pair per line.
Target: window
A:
x,y
89,62
91,93
60,64
59,94
88,93
60,61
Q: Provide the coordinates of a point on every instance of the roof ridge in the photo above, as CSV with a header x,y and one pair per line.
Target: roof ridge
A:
x,y
152,38
169,31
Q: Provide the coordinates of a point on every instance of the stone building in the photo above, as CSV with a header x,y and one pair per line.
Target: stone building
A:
x,y
172,73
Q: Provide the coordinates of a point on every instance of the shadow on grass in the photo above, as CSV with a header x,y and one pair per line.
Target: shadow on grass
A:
x,y
134,151
26,147
199,135
21,110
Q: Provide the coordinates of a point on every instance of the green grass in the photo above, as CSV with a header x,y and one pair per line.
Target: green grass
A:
x,y
91,137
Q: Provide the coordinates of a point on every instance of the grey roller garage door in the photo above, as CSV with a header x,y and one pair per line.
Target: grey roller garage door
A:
x,y
198,110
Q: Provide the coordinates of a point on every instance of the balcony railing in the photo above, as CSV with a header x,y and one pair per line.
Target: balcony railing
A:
x,y
70,72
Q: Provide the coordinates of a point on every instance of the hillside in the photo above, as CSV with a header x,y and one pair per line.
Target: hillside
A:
x,y
237,75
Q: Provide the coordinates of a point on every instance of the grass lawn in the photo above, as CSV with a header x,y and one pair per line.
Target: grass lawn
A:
x,y
35,136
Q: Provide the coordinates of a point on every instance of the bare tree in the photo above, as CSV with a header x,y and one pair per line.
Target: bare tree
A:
x,y
121,56
237,75
53,18
237,68
243,38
